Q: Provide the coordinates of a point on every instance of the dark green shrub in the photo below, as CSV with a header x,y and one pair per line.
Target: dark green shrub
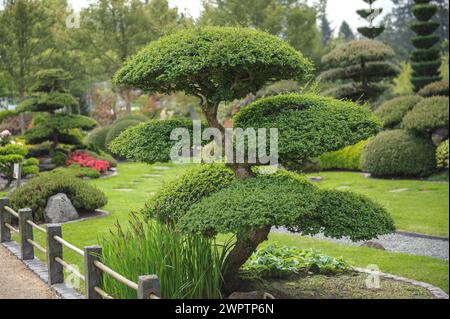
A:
x,y
274,261
59,159
393,111
309,125
98,137
36,192
360,70
442,155
352,215
424,12
39,150
398,153
348,158
118,128
81,172
423,42
435,89
177,197
425,28
428,115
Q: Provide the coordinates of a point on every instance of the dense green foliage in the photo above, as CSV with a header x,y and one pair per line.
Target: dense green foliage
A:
x,y
360,70
79,171
275,261
393,111
187,266
442,155
348,158
133,117
426,57
309,125
220,64
51,100
398,153
117,128
59,159
428,115
36,192
11,154
435,89
98,137
149,142
177,197
370,15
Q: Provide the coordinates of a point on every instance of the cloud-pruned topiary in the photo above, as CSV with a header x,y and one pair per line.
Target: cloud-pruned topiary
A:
x,y
393,111
427,116
198,61
370,15
442,155
360,70
434,89
398,153
309,125
426,58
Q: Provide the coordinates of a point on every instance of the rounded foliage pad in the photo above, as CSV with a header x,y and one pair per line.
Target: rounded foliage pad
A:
x,y
222,64
428,115
309,125
393,111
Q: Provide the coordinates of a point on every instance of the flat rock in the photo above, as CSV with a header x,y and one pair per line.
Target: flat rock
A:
x,y
316,178
59,209
372,244
400,190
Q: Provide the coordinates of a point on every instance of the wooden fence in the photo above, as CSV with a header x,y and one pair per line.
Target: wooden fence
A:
x,y
147,287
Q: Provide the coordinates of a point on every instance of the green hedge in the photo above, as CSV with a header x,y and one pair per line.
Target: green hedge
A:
x,y
428,115
36,192
442,155
398,153
348,158
393,111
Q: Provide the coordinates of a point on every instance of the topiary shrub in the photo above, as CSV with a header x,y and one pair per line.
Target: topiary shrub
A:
x,y
97,138
360,70
79,171
11,154
426,58
398,153
370,15
348,158
393,111
59,159
427,116
175,199
36,192
118,128
435,89
442,155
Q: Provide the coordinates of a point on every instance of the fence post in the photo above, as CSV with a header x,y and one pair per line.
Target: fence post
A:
x,y
5,217
93,276
54,249
26,232
148,285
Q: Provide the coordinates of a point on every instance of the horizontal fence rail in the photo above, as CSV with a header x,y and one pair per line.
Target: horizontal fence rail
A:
x,y
147,287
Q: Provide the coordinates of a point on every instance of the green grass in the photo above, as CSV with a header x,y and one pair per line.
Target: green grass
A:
x,y
405,207
422,208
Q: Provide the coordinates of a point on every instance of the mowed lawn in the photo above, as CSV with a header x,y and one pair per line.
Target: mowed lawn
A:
x,y
416,206
137,182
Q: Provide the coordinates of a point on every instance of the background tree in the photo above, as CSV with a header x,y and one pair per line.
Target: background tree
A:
x,y
25,32
220,65
360,70
370,15
426,59
54,122
325,27
345,32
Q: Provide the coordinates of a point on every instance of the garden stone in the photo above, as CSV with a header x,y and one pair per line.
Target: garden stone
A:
x,y
3,183
60,209
251,295
373,245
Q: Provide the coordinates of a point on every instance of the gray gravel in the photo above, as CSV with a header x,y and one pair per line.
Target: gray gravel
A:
x,y
400,243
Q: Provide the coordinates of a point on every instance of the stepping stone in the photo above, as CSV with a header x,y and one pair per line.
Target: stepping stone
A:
x,y
161,167
316,178
400,190
151,175
123,189
342,187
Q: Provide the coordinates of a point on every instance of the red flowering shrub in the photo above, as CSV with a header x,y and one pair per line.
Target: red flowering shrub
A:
x,y
86,160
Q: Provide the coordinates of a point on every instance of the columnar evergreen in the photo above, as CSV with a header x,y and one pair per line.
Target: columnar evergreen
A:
x,y
426,58
370,15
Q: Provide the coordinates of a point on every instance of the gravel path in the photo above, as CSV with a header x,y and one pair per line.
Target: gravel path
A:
x,y
400,243
17,282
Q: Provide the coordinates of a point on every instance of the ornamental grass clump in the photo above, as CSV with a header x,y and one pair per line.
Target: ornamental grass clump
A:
x,y
188,266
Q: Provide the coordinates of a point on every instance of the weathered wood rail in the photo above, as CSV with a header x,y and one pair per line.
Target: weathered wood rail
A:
x,y
147,287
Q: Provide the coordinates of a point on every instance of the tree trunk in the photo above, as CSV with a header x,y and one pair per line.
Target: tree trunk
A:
x,y
246,244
